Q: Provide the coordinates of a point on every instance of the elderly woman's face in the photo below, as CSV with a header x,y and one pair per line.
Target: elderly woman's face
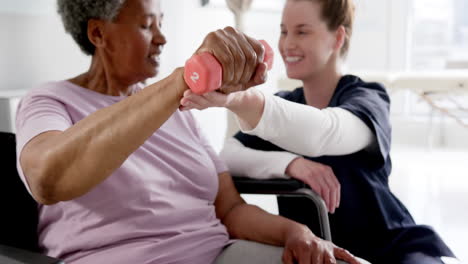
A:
x,y
135,40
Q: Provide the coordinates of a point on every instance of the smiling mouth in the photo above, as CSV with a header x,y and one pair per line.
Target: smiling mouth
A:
x,y
292,59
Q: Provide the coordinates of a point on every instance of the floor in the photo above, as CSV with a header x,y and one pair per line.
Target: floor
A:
x,y
433,184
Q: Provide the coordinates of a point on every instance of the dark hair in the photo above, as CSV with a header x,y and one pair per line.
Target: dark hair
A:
x,y
75,15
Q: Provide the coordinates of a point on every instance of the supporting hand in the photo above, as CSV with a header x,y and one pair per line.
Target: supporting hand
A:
x,y
319,177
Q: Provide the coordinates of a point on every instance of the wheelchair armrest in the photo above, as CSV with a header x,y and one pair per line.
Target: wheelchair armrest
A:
x,y
289,188
13,255
268,186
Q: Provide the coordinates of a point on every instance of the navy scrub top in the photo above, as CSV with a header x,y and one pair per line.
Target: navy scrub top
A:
x,y
370,222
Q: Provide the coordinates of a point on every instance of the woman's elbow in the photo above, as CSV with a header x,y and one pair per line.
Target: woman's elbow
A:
x,y
313,150
43,195
42,180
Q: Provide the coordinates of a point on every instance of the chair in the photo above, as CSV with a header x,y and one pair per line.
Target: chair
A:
x,y
18,223
18,226
287,191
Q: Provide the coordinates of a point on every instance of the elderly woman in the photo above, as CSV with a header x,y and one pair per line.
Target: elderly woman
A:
x,y
122,176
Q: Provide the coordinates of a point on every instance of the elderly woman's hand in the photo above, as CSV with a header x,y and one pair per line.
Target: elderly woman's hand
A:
x,y
241,58
303,247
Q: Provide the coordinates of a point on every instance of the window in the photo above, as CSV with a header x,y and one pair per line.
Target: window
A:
x,y
439,38
263,5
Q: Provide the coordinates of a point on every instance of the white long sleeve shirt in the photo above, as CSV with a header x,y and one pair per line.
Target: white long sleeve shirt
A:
x,y
300,129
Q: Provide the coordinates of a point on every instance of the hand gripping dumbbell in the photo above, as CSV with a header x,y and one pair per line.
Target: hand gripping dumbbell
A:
x,y
203,73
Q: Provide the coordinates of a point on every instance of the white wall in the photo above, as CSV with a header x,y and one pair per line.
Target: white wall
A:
x,y
34,47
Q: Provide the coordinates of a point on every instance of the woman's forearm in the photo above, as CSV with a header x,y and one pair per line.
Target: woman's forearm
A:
x,y
74,161
248,106
249,222
257,164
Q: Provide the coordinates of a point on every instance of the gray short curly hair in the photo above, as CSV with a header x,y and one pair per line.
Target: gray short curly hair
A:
x,y
76,14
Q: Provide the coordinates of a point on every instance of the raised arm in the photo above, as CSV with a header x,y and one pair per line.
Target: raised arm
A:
x,y
304,129
63,165
330,131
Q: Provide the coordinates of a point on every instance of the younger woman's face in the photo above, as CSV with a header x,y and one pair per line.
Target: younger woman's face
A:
x,y
306,44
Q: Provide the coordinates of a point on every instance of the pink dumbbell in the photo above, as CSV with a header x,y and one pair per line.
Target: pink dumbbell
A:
x,y
203,73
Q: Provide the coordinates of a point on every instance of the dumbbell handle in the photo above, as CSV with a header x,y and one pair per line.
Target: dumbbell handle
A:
x,y
203,73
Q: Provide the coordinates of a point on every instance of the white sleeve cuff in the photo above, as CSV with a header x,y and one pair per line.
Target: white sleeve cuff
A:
x,y
263,123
